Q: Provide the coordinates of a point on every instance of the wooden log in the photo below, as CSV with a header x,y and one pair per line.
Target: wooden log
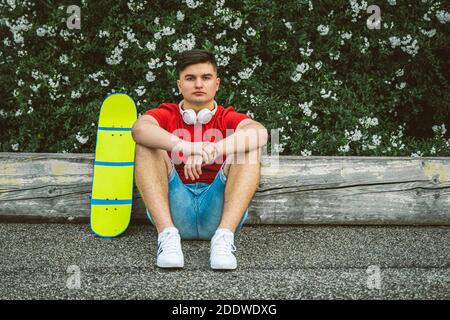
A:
x,y
293,190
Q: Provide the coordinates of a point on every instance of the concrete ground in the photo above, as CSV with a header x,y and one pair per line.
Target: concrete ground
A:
x,y
43,261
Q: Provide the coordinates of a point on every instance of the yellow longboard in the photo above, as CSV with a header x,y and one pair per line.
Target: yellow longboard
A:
x,y
112,184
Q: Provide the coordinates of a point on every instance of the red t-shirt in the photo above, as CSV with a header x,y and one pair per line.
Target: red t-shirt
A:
x,y
222,124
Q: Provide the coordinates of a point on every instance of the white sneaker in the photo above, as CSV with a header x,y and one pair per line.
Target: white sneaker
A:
x,y
169,249
222,248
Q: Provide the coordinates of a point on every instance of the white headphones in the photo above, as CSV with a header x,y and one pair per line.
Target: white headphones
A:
x,y
190,117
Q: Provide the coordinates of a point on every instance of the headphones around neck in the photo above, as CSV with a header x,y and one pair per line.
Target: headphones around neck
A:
x,y
190,117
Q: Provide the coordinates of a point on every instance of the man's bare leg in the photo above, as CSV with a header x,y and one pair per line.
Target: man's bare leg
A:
x,y
152,168
242,183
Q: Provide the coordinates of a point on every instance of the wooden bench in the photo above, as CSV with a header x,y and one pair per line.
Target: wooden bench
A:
x,y
293,190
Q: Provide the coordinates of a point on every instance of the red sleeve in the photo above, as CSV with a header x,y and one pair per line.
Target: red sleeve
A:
x,y
161,114
232,118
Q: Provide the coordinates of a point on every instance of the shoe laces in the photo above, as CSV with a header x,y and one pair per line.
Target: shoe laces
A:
x,y
222,245
169,243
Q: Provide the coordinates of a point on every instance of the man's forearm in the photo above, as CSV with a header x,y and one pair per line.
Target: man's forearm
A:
x,y
243,140
153,136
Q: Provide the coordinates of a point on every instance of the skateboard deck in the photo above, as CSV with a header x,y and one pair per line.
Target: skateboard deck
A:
x,y
112,184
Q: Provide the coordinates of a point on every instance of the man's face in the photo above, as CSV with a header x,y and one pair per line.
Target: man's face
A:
x,y
198,84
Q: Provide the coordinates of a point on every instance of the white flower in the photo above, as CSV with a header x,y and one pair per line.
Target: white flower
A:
x,y
220,35
150,46
140,91
395,42
150,77
392,2
15,147
441,130
155,63
34,87
299,71
335,56
180,16
429,34
246,73
167,31
224,49
236,24
80,138
354,135
75,94
401,85
417,154
288,25
104,83
318,65
407,44
306,52
323,30
305,153
346,35
344,148
433,150
365,46
302,68
193,4
40,32
116,56
306,108
324,94
53,84
314,129
222,60
376,140
356,8
368,122
182,45
64,59
399,72
250,32
443,16
103,34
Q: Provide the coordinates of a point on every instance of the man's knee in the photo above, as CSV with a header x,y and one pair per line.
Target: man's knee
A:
x,y
250,157
145,154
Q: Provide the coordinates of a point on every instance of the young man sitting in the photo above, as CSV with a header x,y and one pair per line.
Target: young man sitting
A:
x,y
197,165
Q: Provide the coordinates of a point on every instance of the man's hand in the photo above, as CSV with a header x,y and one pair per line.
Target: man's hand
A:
x,y
195,161
209,153
193,167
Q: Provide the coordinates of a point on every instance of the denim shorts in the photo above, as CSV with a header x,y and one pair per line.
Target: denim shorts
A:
x,y
196,208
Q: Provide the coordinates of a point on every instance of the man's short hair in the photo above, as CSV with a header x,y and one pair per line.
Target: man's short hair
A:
x,y
194,56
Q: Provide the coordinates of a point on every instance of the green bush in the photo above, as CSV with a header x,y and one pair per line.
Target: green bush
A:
x,y
313,69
